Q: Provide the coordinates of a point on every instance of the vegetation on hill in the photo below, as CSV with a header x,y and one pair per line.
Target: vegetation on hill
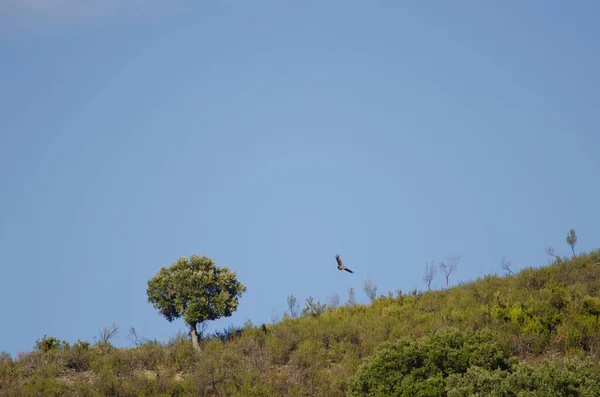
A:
x,y
535,333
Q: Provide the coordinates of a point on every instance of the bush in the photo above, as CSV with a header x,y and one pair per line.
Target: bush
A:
x,y
49,343
523,380
420,367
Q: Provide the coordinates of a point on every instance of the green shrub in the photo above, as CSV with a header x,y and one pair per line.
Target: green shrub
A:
x,y
419,367
49,343
547,380
591,305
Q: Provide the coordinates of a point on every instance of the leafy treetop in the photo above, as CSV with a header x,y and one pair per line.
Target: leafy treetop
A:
x,y
195,289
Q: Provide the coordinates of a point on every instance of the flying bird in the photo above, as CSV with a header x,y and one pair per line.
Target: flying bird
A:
x,y
341,265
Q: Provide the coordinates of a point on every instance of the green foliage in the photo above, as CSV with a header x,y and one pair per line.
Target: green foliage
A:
x,y
547,380
456,364
195,289
535,333
50,343
419,367
591,305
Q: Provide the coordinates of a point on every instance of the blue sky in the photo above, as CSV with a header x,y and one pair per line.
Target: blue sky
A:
x,y
273,135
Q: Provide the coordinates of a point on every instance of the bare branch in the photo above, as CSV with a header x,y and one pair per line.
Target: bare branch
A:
x,y
201,329
108,333
313,308
334,302
351,298
550,252
370,289
133,337
506,265
449,266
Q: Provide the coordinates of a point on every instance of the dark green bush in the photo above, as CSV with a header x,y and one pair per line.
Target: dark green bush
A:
x,y
419,367
547,380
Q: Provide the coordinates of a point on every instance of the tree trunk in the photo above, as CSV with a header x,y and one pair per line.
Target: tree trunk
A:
x,y
195,337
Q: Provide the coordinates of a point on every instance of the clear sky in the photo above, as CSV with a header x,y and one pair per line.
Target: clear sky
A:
x,y
273,135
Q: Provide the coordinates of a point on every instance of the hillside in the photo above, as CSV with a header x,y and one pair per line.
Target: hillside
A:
x,y
541,323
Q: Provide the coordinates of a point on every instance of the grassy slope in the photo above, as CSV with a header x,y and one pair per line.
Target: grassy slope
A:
x,y
540,314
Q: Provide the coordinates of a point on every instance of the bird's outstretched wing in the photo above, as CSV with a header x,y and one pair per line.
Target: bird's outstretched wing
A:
x,y
341,264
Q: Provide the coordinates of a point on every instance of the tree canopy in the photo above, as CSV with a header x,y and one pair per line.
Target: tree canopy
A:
x,y
196,289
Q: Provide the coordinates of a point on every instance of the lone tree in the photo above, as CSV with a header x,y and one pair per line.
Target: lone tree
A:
x,y
449,266
429,274
370,289
293,305
572,240
195,289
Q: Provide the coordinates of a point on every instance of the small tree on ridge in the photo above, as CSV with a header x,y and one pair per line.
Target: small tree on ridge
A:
x,y
429,274
195,289
572,240
449,266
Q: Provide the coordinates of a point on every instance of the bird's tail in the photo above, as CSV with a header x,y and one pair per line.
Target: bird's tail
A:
x,y
348,270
